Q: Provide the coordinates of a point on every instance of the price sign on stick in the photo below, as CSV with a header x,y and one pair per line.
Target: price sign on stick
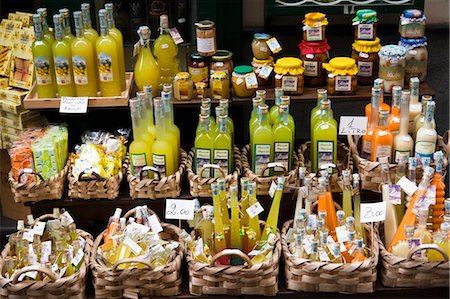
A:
x,y
181,209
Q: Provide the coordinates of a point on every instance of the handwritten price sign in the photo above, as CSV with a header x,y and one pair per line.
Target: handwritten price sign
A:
x,y
182,209
73,105
373,212
353,125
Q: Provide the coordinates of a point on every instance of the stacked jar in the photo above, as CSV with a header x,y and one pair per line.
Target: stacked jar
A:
x,y
412,31
366,46
342,76
262,59
392,66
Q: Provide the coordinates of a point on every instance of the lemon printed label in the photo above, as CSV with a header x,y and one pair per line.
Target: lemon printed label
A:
x,y
221,158
281,154
104,67
62,70
202,157
159,162
79,70
138,161
365,68
42,70
325,152
343,83
311,68
261,157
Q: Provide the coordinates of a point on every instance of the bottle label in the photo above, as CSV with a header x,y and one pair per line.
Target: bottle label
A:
x,y
202,157
343,83
325,153
199,74
311,68
62,70
221,158
281,154
391,73
138,161
79,70
289,83
366,149
105,67
159,162
365,68
398,154
314,34
206,45
425,149
42,65
261,157
365,31
383,151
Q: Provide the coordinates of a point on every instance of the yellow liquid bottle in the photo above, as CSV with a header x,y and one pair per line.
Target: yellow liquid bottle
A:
x,y
235,238
262,145
347,194
219,234
166,97
117,35
48,35
143,127
146,69
283,139
274,109
66,24
43,62
151,128
272,217
62,58
108,60
223,148
254,231
89,32
223,201
204,146
315,112
286,100
83,61
253,122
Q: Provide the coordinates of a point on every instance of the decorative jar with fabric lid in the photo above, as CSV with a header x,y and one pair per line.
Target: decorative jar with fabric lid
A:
x,y
289,75
416,57
365,53
365,24
313,54
342,75
412,23
314,27
392,66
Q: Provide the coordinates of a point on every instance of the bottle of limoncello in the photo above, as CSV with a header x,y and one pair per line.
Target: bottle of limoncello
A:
x,y
117,35
146,69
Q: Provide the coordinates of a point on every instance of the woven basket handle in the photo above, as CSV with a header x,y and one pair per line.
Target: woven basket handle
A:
x,y
131,212
134,261
427,247
30,171
208,166
96,176
236,252
273,165
151,168
46,217
16,275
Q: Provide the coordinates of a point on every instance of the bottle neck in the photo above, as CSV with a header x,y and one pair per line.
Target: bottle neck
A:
x,y
135,123
222,125
87,24
59,31
44,25
374,108
67,28
325,112
110,19
283,117
103,25
262,119
429,117
160,123
38,34
167,105
404,118
414,99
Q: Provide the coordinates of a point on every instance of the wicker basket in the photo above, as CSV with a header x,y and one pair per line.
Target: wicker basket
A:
x,y
136,282
344,161
263,182
146,188
200,186
52,188
370,172
72,287
247,279
304,275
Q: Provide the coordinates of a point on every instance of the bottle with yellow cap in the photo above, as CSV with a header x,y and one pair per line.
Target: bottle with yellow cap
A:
x,y
342,77
314,26
365,52
183,87
289,75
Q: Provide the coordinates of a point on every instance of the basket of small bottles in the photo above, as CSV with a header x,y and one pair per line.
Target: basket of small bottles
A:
x,y
237,255
46,258
407,131
137,256
96,167
39,164
415,244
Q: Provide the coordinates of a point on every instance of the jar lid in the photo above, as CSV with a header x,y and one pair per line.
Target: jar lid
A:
x,y
243,69
218,75
315,19
288,65
205,24
410,43
313,47
392,51
222,55
412,13
182,76
367,46
263,36
341,66
197,57
263,61
365,16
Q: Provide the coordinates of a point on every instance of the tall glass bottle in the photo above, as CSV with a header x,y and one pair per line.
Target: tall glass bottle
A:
x,y
274,109
421,231
204,145
367,140
274,212
146,69
225,103
219,234
223,148
420,119
254,119
148,90
143,119
140,151
262,145
322,95
357,207
415,107
391,221
167,98
427,136
66,24
117,35
283,139
347,194
236,241
108,60
380,84
48,35
438,182
254,231
43,62
403,142
84,61
382,139
89,32
286,100
394,117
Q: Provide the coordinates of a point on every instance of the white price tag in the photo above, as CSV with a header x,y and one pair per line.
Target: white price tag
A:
x,y
39,228
154,223
176,36
373,212
431,195
46,247
82,242
182,209
27,170
272,189
352,125
310,56
395,194
250,81
28,235
77,259
330,244
63,271
215,166
254,210
274,164
409,187
363,55
274,45
265,71
307,245
66,219
342,234
73,105
54,268
254,252
199,247
323,256
311,222
132,245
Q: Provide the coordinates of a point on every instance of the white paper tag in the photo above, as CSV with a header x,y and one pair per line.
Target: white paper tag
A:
x,y
421,203
289,233
135,248
431,195
199,247
254,210
265,71
31,274
352,249
274,45
310,56
305,191
39,228
176,36
307,245
27,170
182,209
395,194
77,259
311,222
409,187
66,219
352,125
215,166
54,268
63,271
342,234
323,256
272,189
363,55
28,235
250,81
46,248
254,252
82,242
373,212
330,244
73,105
154,223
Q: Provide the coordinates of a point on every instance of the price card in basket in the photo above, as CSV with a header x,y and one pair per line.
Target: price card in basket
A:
x,y
73,105
373,212
181,209
254,209
352,125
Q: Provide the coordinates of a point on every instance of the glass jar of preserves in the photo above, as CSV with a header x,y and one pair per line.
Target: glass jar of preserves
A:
x,y
412,23
416,57
198,68
365,24
365,53
342,77
244,81
183,87
313,54
259,67
314,27
289,75
392,66
206,37
222,61
220,85
260,48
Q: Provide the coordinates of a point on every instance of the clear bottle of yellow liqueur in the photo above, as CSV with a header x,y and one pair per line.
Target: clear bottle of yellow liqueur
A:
x,y
117,35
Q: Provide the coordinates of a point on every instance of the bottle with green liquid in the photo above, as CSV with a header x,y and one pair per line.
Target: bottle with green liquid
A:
x,y
223,148
274,109
204,146
117,35
262,144
225,103
66,24
253,122
283,139
315,112
89,32
48,35
167,98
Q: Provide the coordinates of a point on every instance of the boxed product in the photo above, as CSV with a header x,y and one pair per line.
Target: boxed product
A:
x,y
4,82
11,107
23,120
13,94
21,17
21,69
7,43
